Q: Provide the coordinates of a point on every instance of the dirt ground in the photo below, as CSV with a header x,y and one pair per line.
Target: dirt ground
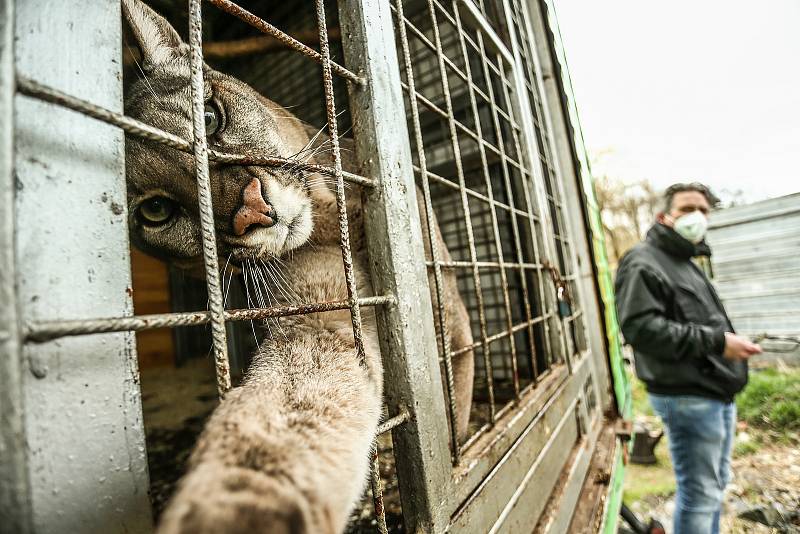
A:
x,y
764,475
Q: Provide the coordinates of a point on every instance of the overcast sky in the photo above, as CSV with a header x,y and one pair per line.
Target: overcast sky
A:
x,y
705,90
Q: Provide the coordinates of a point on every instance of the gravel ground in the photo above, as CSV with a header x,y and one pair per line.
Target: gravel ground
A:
x,y
768,477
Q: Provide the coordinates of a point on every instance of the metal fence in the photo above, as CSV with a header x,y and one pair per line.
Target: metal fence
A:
x,y
463,80
756,272
475,171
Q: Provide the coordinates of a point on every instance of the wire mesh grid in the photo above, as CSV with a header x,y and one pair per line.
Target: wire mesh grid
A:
x,y
216,315
476,179
564,248
457,76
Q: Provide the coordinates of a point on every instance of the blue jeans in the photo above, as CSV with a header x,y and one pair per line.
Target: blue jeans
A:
x,y
700,433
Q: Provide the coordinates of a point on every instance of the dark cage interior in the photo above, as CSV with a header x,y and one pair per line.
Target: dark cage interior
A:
x,y
478,170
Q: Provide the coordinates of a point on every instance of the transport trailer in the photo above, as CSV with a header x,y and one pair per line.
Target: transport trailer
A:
x,y
106,374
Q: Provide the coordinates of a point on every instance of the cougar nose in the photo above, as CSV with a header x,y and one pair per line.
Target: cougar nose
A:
x,y
254,209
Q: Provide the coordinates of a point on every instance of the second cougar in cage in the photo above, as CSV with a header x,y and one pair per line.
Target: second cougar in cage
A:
x,y
287,451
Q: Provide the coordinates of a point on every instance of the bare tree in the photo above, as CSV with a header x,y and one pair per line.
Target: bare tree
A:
x,y
626,211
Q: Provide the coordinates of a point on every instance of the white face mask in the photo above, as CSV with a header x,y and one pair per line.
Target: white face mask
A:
x,y
692,226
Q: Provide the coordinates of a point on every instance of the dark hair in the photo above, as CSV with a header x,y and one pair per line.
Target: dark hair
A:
x,y
672,190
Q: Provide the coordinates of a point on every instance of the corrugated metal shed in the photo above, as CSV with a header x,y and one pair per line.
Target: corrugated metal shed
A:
x,y
756,265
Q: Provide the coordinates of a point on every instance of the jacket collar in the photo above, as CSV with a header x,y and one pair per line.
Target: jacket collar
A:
x,y
672,243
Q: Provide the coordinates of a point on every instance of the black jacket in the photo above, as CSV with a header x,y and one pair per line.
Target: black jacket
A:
x,y
672,317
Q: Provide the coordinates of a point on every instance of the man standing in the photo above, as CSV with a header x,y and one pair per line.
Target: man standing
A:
x,y
685,352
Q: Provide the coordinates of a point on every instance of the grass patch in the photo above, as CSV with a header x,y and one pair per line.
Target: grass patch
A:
x,y
641,405
771,400
743,448
643,481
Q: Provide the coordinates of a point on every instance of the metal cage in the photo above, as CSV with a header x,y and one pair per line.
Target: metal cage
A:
x,y
451,97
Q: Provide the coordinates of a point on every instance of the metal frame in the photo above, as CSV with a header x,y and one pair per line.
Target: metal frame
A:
x,y
490,454
564,134
397,264
38,331
540,419
83,419
502,111
15,499
528,51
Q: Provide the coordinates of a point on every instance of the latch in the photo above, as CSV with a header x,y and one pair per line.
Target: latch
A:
x,y
563,296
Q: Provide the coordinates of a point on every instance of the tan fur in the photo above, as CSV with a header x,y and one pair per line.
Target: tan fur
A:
x,y
288,450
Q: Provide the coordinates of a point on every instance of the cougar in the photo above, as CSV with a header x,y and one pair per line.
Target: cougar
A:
x,y
287,450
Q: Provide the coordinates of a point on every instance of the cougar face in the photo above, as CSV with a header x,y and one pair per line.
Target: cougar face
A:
x,y
259,212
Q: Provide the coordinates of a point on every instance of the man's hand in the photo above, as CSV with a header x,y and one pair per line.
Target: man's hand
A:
x,y
739,348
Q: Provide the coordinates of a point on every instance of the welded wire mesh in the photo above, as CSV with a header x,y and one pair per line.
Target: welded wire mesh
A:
x,y
554,193
476,174
197,146
477,179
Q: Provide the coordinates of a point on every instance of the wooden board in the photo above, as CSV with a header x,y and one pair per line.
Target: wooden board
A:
x,y
151,294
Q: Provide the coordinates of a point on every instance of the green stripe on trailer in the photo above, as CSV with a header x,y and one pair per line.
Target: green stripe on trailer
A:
x,y
605,283
614,497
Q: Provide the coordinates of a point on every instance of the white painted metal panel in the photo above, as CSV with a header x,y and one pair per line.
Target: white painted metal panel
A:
x,y
83,417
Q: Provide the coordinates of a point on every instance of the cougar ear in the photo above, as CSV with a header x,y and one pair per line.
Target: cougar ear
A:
x,y
157,39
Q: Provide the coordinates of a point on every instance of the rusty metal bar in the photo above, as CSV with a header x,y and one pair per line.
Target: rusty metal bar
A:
x,y
489,189
286,163
474,194
432,237
240,47
15,489
375,473
262,43
210,260
288,40
393,422
39,332
577,315
518,241
341,202
347,259
377,490
456,264
464,205
395,245
34,89
506,333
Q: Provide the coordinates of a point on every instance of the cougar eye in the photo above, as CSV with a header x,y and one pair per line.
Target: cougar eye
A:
x,y
156,211
212,120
